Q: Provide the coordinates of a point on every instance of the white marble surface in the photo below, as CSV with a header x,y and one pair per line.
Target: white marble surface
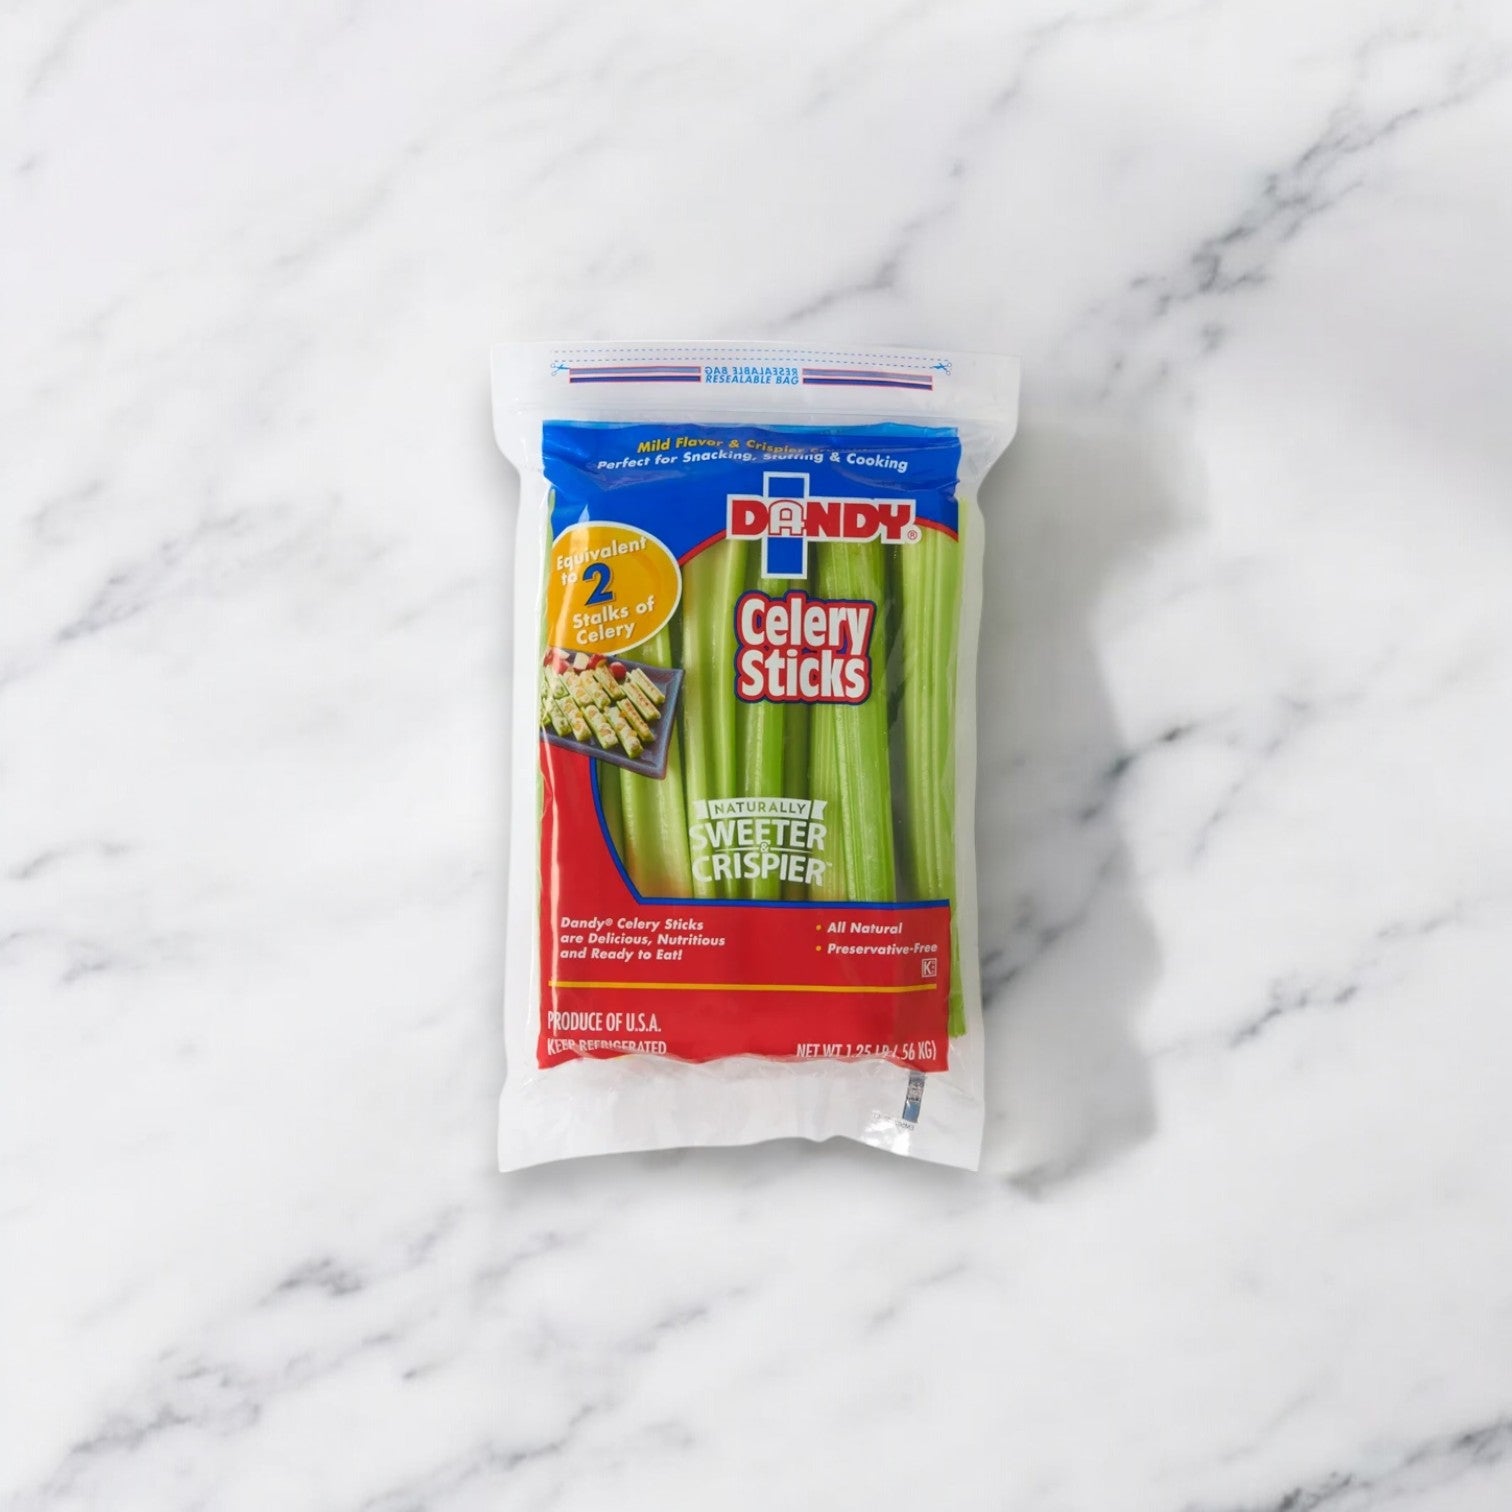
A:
x,y
1245,1239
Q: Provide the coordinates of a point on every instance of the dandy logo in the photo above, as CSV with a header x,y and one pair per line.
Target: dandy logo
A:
x,y
784,518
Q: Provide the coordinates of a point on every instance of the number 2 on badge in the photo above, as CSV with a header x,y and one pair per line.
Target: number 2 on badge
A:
x,y
599,575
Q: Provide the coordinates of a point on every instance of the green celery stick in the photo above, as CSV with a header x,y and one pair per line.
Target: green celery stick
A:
x,y
795,769
850,751
712,582
655,817
611,803
759,729
929,580
824,785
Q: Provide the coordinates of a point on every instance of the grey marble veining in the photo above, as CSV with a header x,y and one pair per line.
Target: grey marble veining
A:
x,y
1242,1244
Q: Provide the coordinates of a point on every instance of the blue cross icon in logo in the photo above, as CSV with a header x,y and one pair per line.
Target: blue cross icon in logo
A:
x,y
785,550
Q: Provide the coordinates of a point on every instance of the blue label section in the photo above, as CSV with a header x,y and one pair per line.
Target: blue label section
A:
x,y
674,481
784,557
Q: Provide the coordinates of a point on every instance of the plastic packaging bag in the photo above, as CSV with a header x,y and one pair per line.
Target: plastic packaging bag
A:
x,y
742,880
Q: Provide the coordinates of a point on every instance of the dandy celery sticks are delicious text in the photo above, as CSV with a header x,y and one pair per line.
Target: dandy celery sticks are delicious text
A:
x,y
742,888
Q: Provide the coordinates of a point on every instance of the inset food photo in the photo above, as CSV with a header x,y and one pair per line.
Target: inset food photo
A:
x,y
611,708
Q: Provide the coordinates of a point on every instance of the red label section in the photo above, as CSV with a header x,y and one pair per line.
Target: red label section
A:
x,y
697,980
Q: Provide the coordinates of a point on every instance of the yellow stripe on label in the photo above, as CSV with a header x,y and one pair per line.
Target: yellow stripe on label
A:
x,y
741,987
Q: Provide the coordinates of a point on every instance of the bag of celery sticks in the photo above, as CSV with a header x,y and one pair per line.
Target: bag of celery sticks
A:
x,y
742,883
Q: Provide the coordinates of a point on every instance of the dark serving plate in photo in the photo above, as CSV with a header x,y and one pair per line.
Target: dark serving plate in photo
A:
x,y
612,708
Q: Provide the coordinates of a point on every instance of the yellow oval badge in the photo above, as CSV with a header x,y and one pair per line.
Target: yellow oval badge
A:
x,y
609,588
